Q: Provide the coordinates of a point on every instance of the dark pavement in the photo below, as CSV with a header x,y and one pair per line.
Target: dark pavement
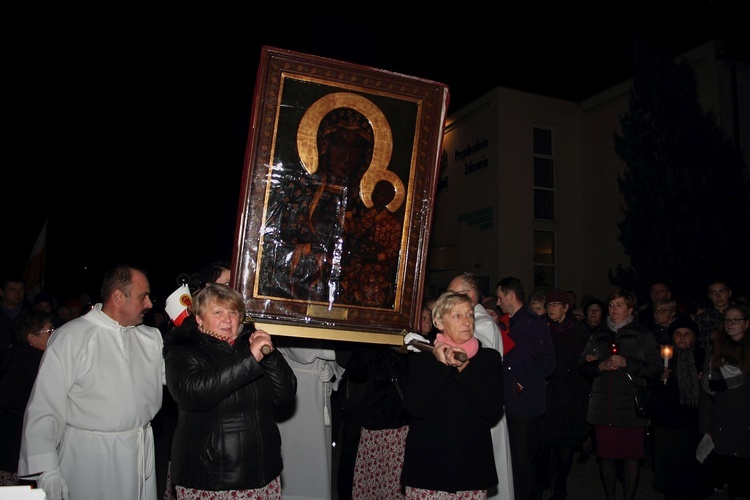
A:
x,y
584,483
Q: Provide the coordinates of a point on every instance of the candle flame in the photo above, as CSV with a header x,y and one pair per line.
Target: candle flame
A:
x,y
666,352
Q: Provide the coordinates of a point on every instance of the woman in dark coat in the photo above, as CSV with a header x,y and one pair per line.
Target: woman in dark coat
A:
x,y
595,320
453,401
595,316
625,350
225,388
564,426
677,473
724,407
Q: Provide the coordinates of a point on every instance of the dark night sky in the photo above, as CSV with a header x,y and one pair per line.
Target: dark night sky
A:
x,y
128,130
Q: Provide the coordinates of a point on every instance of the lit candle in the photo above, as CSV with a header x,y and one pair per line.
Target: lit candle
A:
x,y
666,353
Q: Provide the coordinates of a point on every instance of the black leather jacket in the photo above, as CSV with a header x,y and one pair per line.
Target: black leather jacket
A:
x,y
226,436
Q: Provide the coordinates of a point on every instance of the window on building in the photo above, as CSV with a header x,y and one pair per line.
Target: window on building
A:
x,y
544,175
544,260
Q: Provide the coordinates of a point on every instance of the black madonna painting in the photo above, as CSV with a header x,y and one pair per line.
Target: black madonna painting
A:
x,y
337,194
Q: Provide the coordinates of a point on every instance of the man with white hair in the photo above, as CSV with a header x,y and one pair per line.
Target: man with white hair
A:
x,y
485,329
488,333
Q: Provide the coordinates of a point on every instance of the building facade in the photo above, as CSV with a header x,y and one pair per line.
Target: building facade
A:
x,y
528,184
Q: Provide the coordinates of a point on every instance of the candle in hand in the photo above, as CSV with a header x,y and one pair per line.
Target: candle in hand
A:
x,y
666,353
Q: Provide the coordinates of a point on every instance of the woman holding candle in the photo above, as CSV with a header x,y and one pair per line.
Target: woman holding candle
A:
x,y
677,473
623,347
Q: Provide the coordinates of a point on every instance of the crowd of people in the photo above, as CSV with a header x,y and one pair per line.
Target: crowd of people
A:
x,y
570,378
116,401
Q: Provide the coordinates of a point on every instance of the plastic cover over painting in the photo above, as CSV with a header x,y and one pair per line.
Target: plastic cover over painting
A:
x,y
337,197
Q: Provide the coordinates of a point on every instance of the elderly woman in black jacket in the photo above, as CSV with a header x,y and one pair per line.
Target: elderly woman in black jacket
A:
x,y
616,357
226,388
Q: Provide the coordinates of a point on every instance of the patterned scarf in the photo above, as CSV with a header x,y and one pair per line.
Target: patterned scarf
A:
x,y
615,327
687,377
471,346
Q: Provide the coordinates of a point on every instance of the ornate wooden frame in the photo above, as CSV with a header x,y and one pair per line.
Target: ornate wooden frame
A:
x,y
404,124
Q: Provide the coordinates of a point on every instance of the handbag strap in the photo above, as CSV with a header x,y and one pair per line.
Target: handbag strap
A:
x,y
394,379
636,384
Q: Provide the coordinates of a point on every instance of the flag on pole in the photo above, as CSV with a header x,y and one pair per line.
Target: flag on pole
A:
x,y
34,274
178,305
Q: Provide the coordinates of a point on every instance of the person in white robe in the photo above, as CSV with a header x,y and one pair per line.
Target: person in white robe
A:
x,y
488,333
305,426
86,431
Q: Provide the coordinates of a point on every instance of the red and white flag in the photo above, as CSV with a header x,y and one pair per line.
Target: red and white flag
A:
x,y
178,304
34,274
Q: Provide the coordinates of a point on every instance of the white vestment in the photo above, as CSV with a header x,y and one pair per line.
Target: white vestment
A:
x,y
99,385
306,437
488,333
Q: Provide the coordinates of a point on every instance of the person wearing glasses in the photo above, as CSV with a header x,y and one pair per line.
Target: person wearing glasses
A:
x,y
665,313
87,428
724,405
564,425
657,291
19,366
720,294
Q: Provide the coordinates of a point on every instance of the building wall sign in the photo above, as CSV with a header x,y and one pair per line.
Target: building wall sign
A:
x,y
464,155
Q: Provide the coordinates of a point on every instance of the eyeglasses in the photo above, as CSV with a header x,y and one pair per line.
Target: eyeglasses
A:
x,y
554,304
734,321
662,311
48,330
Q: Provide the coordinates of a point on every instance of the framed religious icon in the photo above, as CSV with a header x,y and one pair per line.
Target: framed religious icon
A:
x,y
337,197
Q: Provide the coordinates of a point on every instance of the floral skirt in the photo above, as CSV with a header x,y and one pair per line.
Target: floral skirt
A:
x,y
420,494
380,458
271,491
